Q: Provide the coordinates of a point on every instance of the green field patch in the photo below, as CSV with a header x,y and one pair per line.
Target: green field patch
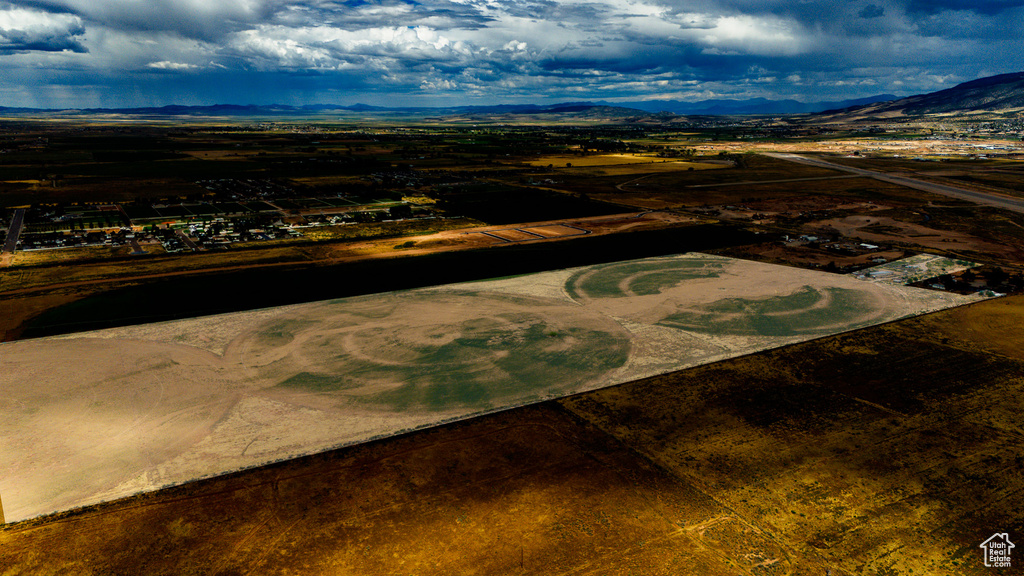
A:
x,y
204,209
311,203
260,206
490,361
336,202
175,212
231,208
311,382
643,278
280,333
808,311
140,212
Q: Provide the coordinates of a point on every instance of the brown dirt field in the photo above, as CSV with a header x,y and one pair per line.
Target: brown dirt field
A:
x,y
554,231
897,438
511,235
617,162
530,492
37,257
803,256
99,189
17,310
1008,182
980,327
890,450
220,154
652,193
883,229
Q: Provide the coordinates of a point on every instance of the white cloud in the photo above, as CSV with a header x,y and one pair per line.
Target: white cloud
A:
x,y
756,35
325,47
166,65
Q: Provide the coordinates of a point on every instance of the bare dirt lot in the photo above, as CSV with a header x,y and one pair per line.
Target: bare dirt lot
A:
x,y
890,450
528,233
777,253
620,160
884,229
132,409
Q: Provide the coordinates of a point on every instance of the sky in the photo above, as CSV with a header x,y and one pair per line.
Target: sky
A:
x,y
126,53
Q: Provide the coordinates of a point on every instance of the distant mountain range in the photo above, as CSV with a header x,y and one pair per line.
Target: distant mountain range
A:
x,y
993,94
281,110
748,107
605,109
1002,93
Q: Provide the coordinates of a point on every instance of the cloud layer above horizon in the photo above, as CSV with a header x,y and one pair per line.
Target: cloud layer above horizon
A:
x,y
87,53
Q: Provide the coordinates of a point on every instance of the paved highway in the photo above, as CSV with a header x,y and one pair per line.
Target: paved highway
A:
x,y
752,182
997,200
15,231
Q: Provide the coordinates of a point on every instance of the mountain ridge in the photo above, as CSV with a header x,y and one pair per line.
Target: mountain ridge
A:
x,y
715,107
1000,93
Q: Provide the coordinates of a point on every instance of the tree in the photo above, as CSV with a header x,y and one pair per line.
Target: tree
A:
x,y
1017,281
997,276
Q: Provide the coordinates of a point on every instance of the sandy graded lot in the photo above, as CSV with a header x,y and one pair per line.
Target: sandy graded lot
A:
x,y
100,415
510,234
618,160
555,231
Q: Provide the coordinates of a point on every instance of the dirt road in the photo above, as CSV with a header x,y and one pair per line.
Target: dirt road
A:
x,y
15,230
783,181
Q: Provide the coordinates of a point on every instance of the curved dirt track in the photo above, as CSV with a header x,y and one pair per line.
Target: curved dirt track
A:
x,y
97,416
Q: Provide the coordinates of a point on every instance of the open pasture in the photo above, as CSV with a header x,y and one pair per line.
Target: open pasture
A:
x,y
129,410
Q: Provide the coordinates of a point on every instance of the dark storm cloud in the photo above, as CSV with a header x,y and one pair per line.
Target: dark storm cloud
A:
x,y
53,7
872,11
20,41
987,7
23,30
515,49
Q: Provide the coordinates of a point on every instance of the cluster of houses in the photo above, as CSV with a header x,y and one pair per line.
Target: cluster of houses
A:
x,y
76,238
199,226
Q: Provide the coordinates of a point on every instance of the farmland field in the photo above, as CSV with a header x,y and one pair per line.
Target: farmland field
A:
x,y
132,409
